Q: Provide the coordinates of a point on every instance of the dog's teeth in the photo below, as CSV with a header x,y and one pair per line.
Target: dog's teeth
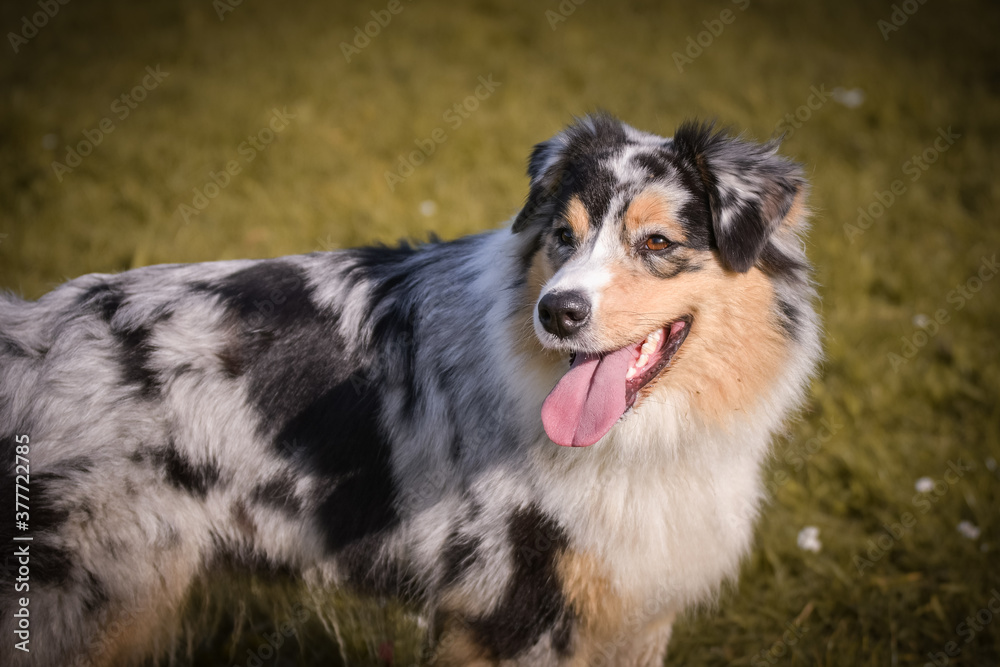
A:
x,y
631,373
652,341
643,359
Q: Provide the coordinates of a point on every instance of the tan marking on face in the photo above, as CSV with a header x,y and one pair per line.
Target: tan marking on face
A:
x,y
735,348
651,210
577,217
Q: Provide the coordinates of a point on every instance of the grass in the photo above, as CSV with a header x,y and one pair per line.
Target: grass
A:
x,y
321,183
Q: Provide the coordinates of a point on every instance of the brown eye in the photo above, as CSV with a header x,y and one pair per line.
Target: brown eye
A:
x,y
657,242
565,236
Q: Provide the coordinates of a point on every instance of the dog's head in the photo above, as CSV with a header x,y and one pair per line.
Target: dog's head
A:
x,y
660,264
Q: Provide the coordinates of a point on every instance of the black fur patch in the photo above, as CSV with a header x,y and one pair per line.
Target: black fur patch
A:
x,y
103,298
393,314
371,574
106,299
11,347
458,556
231,359
136,352
289,349
278,493
696,213
576,167
658,165
95,594
50,563
562,634
319,405
790,320
182,473
777,264
337,436
271,293
47,513
533,603
242,557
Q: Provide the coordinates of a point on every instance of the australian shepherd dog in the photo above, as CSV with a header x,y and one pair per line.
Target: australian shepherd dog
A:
x,y
548,437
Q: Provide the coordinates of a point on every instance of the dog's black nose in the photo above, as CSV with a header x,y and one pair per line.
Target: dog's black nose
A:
x,y
563,313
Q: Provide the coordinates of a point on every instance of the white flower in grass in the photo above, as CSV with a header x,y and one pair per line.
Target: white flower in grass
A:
x,y
809,539
924,485
428,207
969,530
851,98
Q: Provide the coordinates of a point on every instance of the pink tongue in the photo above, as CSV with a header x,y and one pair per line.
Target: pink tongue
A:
x,y
588,400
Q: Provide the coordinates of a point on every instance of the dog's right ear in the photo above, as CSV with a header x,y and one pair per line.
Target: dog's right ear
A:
x,y
546,168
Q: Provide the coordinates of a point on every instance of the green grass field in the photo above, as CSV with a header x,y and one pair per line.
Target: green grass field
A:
x,y
895,578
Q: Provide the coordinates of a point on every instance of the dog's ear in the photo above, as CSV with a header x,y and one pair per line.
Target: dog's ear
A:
x,y
750,189
546,168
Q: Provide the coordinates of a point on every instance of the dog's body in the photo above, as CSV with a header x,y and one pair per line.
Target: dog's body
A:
x,y
371,418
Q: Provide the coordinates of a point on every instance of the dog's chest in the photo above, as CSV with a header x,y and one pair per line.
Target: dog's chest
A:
x,y
662,536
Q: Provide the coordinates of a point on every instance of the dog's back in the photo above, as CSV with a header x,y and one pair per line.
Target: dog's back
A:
x,y
178,417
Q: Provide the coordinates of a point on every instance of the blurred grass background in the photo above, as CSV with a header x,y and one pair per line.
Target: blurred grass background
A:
x,y
321,184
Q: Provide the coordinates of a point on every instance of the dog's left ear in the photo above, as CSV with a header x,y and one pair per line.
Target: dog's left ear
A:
x,y
545,169
750,189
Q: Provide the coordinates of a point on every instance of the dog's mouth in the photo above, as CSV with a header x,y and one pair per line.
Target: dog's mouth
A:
x,y
599,389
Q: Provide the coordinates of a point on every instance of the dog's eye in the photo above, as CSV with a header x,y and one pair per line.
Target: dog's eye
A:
x,y
565,236
656,243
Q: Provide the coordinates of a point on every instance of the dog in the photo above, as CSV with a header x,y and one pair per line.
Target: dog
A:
x,y
548,436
